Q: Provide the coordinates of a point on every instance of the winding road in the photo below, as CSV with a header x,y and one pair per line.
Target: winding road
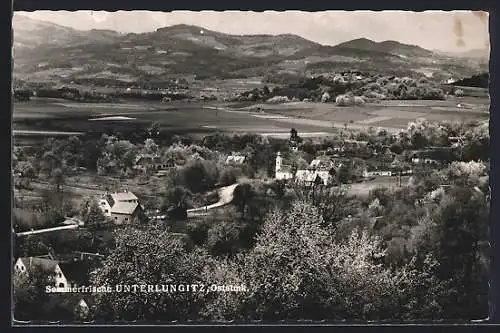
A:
x,y
226,195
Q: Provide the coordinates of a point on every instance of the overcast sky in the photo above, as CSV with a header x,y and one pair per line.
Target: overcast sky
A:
x,y
435,30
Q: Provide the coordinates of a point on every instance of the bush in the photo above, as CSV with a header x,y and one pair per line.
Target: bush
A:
x,y
199,176
374,95
374,86
325,97
228,177
358,100
278,99
223,238
344,100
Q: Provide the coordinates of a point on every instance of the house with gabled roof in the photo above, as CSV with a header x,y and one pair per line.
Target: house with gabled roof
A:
x,y
374,172
121,207
313,177
151,162
235,159
27,265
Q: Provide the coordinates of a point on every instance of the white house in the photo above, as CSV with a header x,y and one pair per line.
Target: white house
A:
x,y
49,266
419,160
282,171
374,173
311,177
66,273
315,163
235,159
321,163
147,162
122,207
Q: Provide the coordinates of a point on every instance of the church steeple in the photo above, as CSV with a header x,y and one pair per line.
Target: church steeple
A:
x,y
279,162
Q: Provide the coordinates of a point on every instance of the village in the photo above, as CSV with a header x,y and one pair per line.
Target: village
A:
x,y
339,165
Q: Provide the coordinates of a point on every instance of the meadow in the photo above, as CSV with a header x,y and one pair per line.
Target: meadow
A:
x,y
31,119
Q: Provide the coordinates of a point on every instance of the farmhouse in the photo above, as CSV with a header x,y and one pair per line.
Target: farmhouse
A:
x,y
321,163
423,158
122,208
317,173
282,171
65,274
367,173
148,162
235,159
312,177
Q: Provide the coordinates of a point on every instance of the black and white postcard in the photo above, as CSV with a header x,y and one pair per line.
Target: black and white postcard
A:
x,y
235,166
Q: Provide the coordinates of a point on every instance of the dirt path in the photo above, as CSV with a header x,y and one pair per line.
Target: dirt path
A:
x,y
226,195
40,231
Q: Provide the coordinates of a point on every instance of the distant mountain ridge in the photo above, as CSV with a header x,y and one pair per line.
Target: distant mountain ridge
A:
x,y
482,54
31,33
187,49
389,46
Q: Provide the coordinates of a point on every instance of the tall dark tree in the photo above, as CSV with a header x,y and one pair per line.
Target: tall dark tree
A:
x,y
243,194
294,135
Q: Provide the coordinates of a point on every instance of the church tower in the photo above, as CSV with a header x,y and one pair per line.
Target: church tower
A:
x,y
279,161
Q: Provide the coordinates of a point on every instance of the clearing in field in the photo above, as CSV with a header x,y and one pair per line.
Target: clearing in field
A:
x,y
113,118
392,113
374,120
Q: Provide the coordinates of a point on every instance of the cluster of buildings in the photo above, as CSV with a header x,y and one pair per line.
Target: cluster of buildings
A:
x,y
318,172
62,274
323,171
72,270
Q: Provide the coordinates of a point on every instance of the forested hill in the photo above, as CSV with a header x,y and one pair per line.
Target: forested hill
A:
x,y
44,50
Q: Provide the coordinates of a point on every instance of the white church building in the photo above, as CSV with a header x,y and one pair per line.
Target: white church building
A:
x,y
282,171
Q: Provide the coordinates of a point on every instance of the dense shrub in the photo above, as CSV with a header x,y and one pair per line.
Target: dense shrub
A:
x,y
278,99
344,100
358,100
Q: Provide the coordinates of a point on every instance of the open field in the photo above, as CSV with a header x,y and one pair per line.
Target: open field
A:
x,y
391,115
52,115
313,119
363,189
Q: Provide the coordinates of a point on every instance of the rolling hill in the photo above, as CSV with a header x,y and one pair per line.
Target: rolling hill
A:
x,y
30,34
47,52
389,47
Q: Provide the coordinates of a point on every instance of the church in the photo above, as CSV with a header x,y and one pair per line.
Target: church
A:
x,y
309,177
283,171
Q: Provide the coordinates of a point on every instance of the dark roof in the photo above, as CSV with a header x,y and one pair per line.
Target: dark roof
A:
x,y
152,159
76,271
285,168
45,265
70,301
23,215
124,196
110,200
